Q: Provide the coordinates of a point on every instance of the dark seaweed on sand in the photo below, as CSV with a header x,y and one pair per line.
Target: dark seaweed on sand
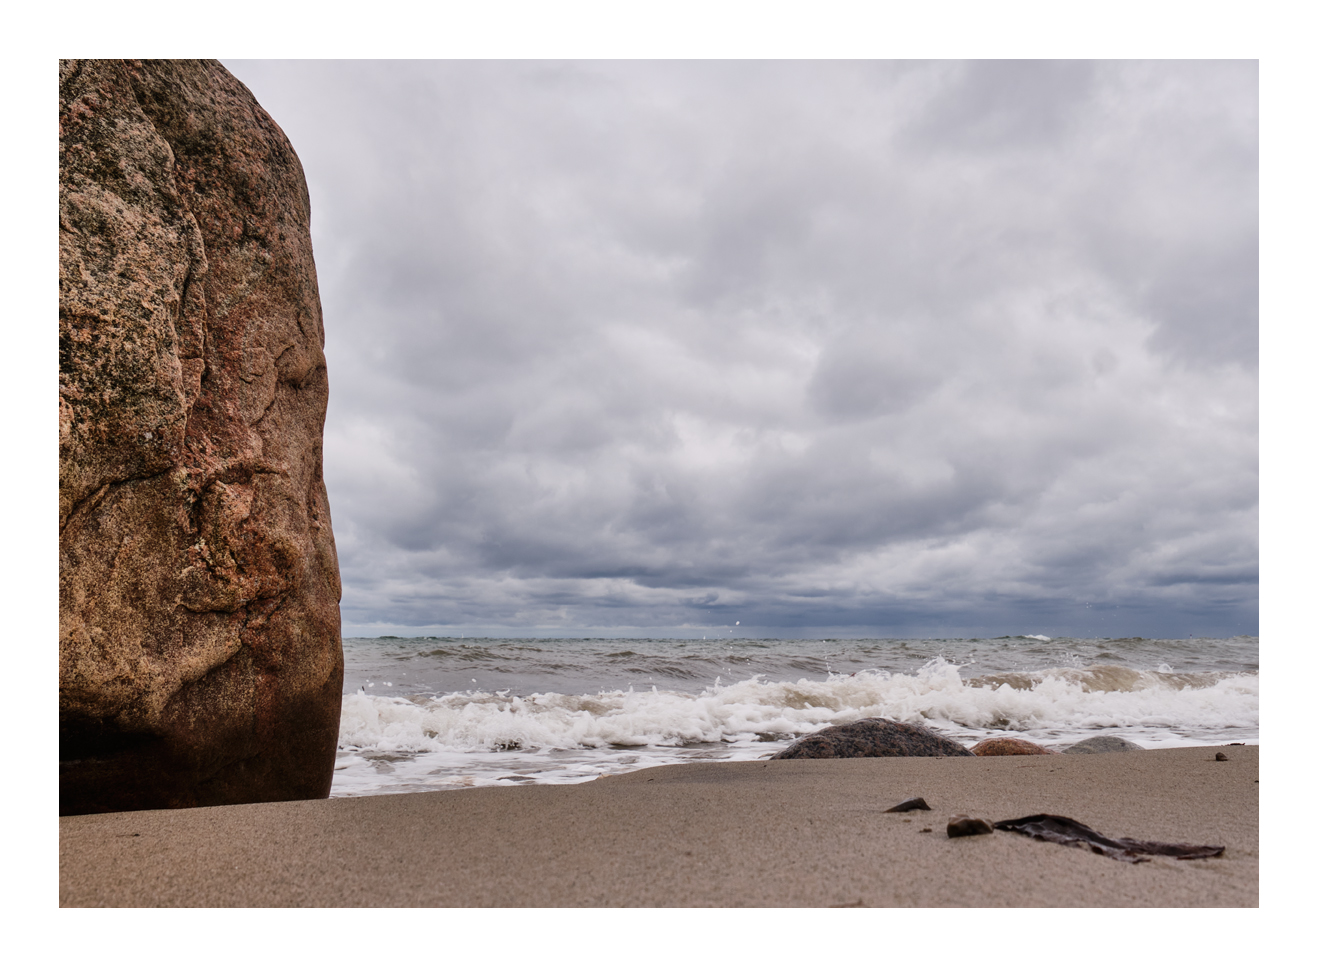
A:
x,y
1068,832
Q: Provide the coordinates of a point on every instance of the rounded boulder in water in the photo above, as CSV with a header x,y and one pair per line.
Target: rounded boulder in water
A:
x,y
1006,746
872,737
1104,743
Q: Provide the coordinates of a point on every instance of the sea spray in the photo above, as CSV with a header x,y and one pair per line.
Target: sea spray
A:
x,y
475,736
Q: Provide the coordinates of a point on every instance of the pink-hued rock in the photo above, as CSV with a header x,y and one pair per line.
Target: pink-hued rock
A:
x,y
200,658
1009,747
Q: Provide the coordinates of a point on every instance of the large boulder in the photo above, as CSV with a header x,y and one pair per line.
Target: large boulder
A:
x,y
872,737
200,659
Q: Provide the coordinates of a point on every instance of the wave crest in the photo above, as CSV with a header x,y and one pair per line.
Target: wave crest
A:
x,y
1061,699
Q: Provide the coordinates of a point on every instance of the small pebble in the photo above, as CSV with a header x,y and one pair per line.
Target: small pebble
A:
x,y
906,805
968,826
1220,757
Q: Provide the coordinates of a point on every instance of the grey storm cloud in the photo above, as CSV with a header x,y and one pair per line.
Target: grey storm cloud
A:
x,y
838,347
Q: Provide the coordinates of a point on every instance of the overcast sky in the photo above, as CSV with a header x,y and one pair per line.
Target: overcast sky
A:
x,y
824,348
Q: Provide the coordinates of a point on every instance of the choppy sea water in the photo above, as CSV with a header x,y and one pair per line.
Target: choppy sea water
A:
x,y
443,713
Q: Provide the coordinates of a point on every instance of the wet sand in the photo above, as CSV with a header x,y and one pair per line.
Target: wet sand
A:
x,y
798,833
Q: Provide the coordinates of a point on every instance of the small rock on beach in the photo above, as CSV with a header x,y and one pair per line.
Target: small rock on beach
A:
x,y
1103,743
906,805
967,826
1006,746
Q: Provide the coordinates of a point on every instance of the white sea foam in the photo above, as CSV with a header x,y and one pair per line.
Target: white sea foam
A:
x,y
562,711
1054,703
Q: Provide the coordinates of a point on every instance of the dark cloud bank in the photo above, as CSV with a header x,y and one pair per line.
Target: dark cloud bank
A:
x,y
823,348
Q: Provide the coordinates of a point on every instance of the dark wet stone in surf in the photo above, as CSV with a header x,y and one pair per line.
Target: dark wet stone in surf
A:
x,y
1009,747
967,826
872,737
1103,743
1068,832
906,805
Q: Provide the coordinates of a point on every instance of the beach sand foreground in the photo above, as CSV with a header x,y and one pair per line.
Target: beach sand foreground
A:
x,y
791,833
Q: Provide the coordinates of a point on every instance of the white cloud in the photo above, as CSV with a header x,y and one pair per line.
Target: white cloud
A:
x,y
897,348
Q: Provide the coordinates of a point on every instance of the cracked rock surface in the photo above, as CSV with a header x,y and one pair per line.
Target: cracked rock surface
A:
x,y
200,658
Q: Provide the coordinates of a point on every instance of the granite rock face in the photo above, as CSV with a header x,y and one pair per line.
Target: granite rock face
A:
x,y
872,737
200,658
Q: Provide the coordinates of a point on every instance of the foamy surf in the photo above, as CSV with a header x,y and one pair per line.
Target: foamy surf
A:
x,y
478,737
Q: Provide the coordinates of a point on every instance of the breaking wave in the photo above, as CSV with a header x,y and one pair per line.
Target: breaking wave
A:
x,y
1059,704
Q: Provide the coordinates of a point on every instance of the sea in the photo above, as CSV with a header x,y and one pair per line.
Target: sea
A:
x,y
424,714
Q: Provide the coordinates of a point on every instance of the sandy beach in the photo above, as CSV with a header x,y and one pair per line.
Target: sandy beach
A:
x,y
801,833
